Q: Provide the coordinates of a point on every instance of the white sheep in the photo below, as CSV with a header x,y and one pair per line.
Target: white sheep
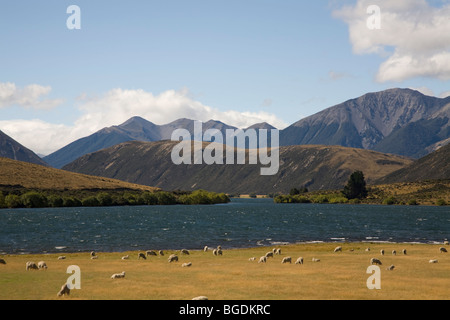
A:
x,y
150,253
278,251
92,253
367,249
390,268
382,252
61,257
394,252
161,253
338,249
205,249
252,259
433,261
42,265
269,254
286,260
2,261
299,260
94,257
118,275
126,257
442,250
188,264
263,259
64,290
375,261
172,258
31,265
315,260
404,251
141,255
200,298
184,251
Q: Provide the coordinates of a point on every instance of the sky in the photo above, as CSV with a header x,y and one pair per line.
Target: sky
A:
x,y
240,62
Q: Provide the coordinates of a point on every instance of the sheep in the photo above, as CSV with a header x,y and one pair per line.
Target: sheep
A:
x,y
315,260
443,250
31,265
64,290
92,254
126,257
94,257
161,253
278,251
338,249
382,252
263,259
390,268
141,255
218,251
118,275
269,254
61,257
184,251
150,253
286,260
367,249
252,259
2,261
404,251
299,260
172,258
433,261
446,243
205,249
188,264
42,265
375,261
200,298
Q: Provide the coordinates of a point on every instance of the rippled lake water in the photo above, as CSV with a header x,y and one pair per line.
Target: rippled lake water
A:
x,y
239,224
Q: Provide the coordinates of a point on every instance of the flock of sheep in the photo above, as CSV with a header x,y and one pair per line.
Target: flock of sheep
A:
x,y
41,265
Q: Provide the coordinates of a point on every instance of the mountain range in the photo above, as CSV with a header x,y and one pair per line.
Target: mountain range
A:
x,y
398,121
9,148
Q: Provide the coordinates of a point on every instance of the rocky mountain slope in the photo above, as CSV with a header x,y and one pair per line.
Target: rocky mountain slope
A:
x,y
9,148
317,167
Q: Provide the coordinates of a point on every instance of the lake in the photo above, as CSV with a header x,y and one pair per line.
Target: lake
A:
x,y
242,223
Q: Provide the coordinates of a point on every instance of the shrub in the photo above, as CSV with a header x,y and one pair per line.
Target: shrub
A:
x,y
441,202
105,199
166,198
320,199
2,201
34,199
338,200
71,202
149,198
13,201
90,202
389,201
55,201
412,202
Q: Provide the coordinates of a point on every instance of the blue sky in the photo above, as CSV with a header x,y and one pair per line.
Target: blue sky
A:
x,y
278,61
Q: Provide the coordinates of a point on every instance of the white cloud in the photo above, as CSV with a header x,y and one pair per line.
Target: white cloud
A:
x,y
117,106
28,97
414,37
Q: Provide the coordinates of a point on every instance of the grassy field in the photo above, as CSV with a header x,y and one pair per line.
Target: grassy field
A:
x,y
337,276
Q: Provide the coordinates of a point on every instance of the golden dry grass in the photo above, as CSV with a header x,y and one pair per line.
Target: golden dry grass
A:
x,y
232,276
32,176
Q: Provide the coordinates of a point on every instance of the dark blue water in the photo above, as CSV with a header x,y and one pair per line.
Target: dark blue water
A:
x,y
239,224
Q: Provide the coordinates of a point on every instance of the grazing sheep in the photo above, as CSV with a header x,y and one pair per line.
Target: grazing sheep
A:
x,y
404,251
252,259
172,258
278,251
150,253
338,249
92,254
269,254
433,261
126,257
442,250
2,261
446,243
367,249
64,290
205,249
118,275
390,268
61,257
42,265
200,298
375,261
263,259
218,251
184,251
394,252
315,260
161,253
94,257
141,255
188,264
274,250
31,265
382,252
286,260
299,261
